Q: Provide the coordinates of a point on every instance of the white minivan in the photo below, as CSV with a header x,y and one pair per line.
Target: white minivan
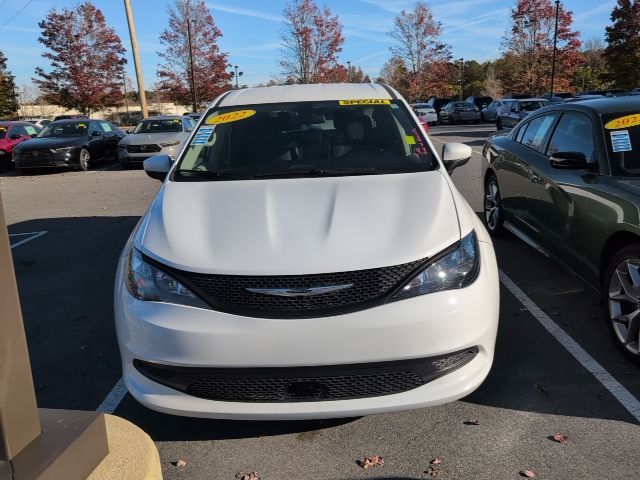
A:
x,y
307,256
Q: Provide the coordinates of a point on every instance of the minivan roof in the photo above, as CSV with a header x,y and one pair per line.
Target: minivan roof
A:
x,y
306,93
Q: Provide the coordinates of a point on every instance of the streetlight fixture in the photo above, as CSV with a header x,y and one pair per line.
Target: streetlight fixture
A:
x,y
555,46
236,75
194,98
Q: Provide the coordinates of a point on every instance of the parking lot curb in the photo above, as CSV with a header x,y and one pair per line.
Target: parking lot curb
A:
x,y
132,454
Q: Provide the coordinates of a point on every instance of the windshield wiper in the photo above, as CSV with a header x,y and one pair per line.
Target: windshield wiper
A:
x,y
207,175
325,172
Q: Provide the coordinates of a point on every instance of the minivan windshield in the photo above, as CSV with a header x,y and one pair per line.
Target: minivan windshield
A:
x,y
322,138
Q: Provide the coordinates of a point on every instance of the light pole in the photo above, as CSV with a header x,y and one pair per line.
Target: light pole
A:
x,y
126,100
349,70
555,45
136,59
194,98
236,75
585,72
461,76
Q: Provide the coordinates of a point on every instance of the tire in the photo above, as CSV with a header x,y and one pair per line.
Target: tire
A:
x,y
84,159
621,291
493,213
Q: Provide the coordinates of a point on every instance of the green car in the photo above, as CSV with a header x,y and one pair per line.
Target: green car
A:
x,y
566,180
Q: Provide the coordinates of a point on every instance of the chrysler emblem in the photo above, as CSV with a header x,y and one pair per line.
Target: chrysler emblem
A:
x,y
299,292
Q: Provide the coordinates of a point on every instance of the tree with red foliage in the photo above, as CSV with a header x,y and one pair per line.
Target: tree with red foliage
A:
x,y
422,54
311,41
209,63
528,49
87,59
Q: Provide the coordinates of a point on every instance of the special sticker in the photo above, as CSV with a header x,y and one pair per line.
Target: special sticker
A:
x,y
230,117
624,122
368,101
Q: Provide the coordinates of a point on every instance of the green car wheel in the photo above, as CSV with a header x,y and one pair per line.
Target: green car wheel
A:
x,y
623,292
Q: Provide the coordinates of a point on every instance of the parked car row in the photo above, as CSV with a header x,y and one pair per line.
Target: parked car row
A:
x,y
82,142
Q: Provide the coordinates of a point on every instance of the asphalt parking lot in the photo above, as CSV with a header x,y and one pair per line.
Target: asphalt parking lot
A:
x,y
556,369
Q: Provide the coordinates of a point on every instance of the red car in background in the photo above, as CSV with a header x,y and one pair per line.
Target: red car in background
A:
x,y
11,134
424,123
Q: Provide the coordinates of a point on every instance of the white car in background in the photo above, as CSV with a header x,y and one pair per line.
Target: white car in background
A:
x,y
153,136
307,256
426,111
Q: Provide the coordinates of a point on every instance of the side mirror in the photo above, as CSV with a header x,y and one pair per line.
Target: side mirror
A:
x,y
127,132
96,133
455,155
158,166
570,160
34,135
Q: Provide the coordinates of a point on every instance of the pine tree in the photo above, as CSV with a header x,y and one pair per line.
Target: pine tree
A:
x,y
8,103
622,53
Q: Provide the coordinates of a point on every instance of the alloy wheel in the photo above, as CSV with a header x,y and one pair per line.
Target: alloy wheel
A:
x,y
624,303
492,205
85,157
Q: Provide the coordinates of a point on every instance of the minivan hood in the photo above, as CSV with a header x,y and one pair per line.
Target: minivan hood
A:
x,y
300,226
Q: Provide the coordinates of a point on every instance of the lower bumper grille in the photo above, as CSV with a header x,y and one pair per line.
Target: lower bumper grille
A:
x,y
304,384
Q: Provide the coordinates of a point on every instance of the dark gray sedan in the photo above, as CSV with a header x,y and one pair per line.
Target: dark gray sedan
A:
x,y
457,112
566,180
513,111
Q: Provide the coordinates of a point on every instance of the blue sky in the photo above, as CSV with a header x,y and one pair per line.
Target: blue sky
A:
x,y
250,28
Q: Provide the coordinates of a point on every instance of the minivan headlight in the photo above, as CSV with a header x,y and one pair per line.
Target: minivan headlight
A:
x,y
147,282
457,269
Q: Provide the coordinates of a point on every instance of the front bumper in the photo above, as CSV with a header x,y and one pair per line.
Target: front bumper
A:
x,y
418,328
27,160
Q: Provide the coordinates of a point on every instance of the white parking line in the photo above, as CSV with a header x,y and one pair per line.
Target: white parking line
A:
x,y
32,236
114,398
626,399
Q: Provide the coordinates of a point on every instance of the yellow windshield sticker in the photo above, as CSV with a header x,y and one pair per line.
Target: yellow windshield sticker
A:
x,y
624,122
230,117
367,101
2,129
82,125
411,140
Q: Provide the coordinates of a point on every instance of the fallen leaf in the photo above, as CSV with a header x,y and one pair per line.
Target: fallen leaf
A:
x,y
435,461
432,472
560,438
527,473
179,463
472,422
371,461
247,476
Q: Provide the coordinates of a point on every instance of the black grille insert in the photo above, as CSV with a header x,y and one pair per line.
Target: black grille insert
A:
x,y
229,293
305,384
143,148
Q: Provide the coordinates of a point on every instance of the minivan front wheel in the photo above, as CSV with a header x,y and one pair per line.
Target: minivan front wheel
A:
x,y
622,282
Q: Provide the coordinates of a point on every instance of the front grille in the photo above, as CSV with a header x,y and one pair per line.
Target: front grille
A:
x,y
143,148
35,153
228,293
305,384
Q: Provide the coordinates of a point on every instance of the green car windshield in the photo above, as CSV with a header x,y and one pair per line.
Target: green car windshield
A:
x,y
322,138
622,136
